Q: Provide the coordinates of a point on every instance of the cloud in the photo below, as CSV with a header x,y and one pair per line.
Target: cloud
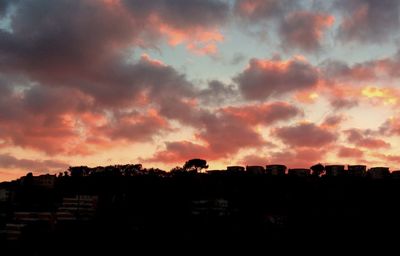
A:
x,y
182,13
390,127
292,158
254,160
41,118
8,161
305,135
304,30
234,128
228,130
348,152
336,70
368,20
217,93
5,5
226,135
81,47
176,152
333,121
342,103
193,23
364,139
266,114
134,126
56,124
391,158
298,158
263,79
221,135
237,58
255,11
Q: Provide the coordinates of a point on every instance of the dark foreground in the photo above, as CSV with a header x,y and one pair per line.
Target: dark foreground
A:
x,y
195,213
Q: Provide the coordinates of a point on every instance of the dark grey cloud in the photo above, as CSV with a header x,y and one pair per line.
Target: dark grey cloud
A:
x,y
217,93
368,21
336,70
182,13
333,120
267,78
4,5
237,58
9,161
255,11
305,135
82,44
304,30
342,103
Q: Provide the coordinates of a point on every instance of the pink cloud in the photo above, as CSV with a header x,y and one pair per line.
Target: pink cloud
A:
x,y
365,140
134,127
298,158
179,152
347,152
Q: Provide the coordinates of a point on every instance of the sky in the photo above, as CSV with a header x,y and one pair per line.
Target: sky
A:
x,y
235,82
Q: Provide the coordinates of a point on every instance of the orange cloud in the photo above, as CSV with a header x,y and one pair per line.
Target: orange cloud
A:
x,y
249,6
266,114
199,40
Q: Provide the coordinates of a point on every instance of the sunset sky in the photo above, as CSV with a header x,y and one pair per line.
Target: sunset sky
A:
x,y
157,82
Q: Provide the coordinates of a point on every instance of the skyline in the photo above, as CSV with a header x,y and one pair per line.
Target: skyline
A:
x,y
235,82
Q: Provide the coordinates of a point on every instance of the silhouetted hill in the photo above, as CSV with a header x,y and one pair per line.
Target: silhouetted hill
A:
x,y
88,212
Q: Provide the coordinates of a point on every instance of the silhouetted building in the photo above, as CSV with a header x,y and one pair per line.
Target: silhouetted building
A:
x,y
254,169
215,207
44,181
276,169
235,169
30,217
6,195
299,172
82,207
334,170
357,170
395,174
12,231
378,172
317,169
215,172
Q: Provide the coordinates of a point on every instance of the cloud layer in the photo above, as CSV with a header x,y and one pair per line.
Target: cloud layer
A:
x,y
81,78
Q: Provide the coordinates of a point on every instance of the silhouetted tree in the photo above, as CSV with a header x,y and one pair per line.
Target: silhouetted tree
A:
x,y
28,179
195,165
79,171
177,170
